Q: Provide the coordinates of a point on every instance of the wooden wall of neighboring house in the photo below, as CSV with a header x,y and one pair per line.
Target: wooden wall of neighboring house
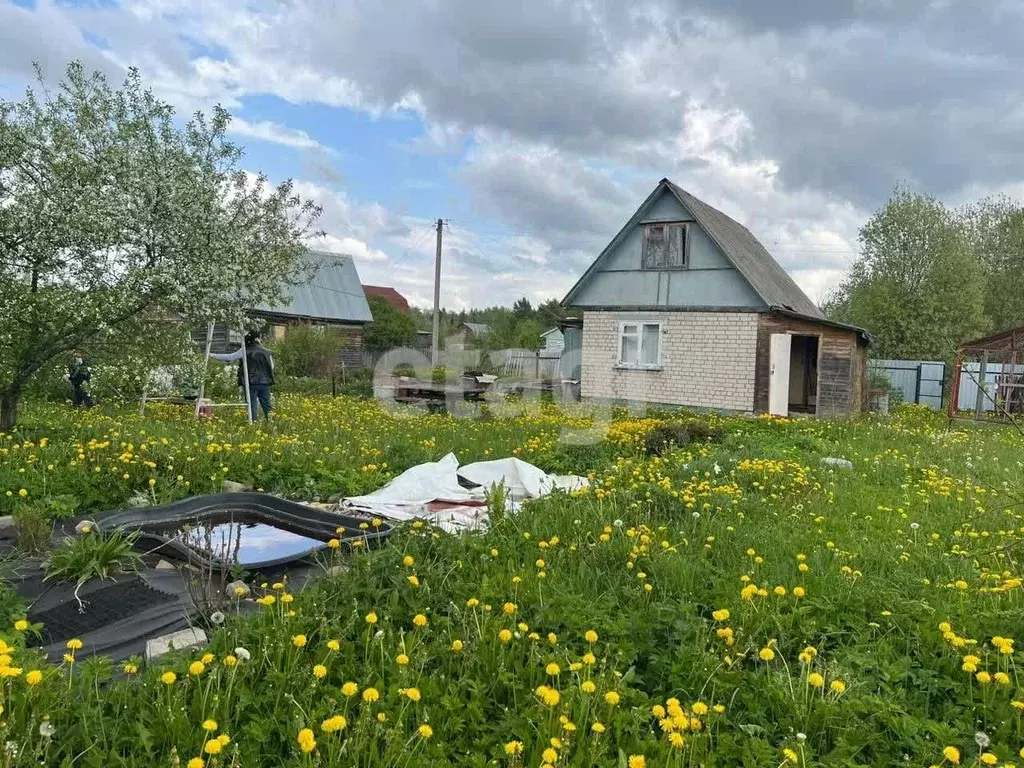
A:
x,y
350,357
842,364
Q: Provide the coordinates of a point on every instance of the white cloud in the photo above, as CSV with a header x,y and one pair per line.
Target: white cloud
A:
x,y
266,130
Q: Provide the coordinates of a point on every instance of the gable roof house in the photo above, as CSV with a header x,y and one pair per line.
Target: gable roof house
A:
x,y
390,295
333,297
686,307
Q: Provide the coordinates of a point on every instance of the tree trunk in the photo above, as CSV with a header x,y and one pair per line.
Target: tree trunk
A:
x,y
9,409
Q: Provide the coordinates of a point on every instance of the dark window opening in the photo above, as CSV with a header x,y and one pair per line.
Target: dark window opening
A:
x,y
664,246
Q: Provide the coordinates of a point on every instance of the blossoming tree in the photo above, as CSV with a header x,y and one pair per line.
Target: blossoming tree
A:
x,y
114,217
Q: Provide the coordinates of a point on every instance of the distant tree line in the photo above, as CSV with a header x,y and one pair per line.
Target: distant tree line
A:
x,y
521,326
931,276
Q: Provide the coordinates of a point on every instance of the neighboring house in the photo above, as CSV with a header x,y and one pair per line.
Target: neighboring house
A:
x,y
333,297
474,330
552,341
685,307
467,336
390,295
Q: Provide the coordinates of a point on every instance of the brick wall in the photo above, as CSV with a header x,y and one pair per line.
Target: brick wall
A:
x,y
708,359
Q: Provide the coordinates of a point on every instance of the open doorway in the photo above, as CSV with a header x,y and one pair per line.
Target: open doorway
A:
x,y
803,374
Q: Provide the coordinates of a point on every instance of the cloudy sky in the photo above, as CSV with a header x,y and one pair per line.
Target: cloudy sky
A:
x,y
536,128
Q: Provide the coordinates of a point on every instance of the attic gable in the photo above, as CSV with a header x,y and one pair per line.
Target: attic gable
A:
x,y
726,266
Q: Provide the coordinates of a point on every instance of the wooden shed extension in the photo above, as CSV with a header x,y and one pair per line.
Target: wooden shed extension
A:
x,y
828,364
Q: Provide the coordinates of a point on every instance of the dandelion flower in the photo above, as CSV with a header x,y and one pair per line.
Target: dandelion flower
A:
x,y
209,725
21,625
195,762
766,654
196,668
838,686
815,680
612,698
34,677
514,748
637,761
350,689
988,758
334,724
457,645
504,636
952,754
371,695
552,669
722,614
299,641
168,678
413,694
213,747
425,731
587,686
319,671
700,708
590,636
371,618
509,608
597,728
306,739
334,645
74,644
549,755
419,620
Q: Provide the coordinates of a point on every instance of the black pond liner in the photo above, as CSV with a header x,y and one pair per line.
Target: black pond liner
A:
x,y
122,613
159,525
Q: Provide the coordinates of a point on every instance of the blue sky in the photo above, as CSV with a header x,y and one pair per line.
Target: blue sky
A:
x,y
536,128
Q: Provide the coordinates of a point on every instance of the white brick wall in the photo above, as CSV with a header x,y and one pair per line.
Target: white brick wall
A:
x,y
708,359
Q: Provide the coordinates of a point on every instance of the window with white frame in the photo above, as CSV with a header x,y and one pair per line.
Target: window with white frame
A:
x,y
639,345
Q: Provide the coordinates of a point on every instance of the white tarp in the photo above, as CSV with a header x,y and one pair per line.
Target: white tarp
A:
x,y
521,480
432,491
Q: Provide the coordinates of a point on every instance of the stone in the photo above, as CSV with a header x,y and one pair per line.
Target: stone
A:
x,y
85,526
163,565
139,499
832,461
230,486
175,641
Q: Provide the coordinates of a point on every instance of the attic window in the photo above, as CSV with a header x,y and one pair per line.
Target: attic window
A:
x,y
665,246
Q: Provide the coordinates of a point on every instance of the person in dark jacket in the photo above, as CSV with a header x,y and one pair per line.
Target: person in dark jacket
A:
x,y
260,363
79,375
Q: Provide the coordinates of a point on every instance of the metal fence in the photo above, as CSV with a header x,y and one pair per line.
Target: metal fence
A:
x,y
967,399
917,381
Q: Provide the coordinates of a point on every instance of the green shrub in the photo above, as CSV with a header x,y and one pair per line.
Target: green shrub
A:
x,y
94,555
32,526
680,435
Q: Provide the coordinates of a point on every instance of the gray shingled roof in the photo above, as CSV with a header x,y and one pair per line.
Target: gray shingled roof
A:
x,y
334,294
480,329
765,275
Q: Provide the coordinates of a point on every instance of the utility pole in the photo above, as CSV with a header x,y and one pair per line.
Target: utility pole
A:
x,y
436,332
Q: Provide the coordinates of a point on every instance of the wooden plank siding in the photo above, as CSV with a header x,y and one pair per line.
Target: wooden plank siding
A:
x,y
842,364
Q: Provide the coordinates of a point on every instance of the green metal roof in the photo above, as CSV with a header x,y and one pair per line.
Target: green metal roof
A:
x,y
333,295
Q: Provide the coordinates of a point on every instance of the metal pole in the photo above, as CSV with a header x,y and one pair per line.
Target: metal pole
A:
x,y
436,331
979,400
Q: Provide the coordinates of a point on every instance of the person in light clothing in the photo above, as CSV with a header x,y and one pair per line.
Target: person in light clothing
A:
x,y
260,363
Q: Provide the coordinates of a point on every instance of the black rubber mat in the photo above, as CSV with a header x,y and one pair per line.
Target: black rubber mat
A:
x,y
103,607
